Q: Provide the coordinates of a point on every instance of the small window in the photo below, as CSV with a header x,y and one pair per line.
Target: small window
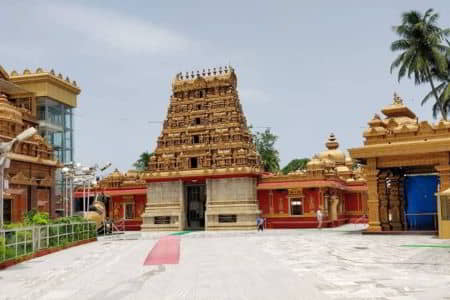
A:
x,y
197,121
296,207
129,211
162,220
195,139
200,95
194,163
227,219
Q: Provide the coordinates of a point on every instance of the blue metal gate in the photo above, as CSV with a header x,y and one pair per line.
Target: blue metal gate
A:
x,y
420,202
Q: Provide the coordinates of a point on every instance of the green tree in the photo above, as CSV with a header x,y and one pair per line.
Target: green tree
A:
x,y
265,145
442,89
421,41
294,165
142,163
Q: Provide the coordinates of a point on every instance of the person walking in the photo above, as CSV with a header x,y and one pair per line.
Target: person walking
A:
x,y
260,223
319,217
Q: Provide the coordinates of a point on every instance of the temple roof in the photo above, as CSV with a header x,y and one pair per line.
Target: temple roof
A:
x,y
3,73
402,133
207,78
27,74
397,109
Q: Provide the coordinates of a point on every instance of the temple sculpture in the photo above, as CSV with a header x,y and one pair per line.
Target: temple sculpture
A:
x,y
406,165
203,173
331,182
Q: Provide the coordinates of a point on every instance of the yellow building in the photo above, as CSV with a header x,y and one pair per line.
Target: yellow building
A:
x,y
407,164
55,98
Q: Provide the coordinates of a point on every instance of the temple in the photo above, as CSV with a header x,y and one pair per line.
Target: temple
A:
x,y
406,165
125,194
331,183
30,177
204,171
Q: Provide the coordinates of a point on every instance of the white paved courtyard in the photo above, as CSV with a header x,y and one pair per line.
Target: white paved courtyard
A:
x,y
276,264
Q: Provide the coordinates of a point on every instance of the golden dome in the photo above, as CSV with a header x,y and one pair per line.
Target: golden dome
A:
x,y
333,153
314,164
9,112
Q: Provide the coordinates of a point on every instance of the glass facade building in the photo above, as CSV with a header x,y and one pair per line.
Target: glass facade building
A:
x,y
56,126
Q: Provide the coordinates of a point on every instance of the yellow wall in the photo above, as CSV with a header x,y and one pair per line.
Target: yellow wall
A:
x,y
444,225
444,229
44,88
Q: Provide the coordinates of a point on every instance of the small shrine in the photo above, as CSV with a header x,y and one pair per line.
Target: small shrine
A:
x,y
125,195
406,165
331,182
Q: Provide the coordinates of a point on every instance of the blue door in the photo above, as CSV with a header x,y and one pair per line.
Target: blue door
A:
x,y
420,202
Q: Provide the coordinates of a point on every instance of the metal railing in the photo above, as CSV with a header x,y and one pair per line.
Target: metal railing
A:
x,y
22,241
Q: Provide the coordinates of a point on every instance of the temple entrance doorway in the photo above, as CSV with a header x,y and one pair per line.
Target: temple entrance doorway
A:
x,y
407,199
421,202
195,201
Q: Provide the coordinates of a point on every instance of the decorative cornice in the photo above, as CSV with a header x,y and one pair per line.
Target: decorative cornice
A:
x,y
252,171
402,148
41,75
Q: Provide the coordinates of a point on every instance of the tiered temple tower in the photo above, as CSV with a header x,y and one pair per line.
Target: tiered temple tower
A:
x,y
204,170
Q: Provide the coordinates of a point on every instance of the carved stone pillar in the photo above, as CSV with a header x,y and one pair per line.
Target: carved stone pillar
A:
x,y
394,203
334,208
444,176
383,201
372,202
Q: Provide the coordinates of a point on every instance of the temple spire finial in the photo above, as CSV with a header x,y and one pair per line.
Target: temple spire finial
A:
x,y
397,99
332,143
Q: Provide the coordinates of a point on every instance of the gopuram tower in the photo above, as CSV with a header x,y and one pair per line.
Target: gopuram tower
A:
x,y
204,170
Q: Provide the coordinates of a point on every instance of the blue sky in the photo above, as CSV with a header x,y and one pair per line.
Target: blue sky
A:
x,y
305,68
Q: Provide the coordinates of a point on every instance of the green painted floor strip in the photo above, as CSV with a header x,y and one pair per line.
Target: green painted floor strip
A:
x,y
427,246
181,232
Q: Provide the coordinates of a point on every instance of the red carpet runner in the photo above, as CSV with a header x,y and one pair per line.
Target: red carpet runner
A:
x,y
165,252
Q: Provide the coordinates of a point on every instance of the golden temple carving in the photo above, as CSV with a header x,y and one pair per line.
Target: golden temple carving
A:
x,y
116,179
332,166
205,128
394,147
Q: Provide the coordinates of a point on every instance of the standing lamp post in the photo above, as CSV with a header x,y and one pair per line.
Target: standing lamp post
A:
x,y
5,148
78,176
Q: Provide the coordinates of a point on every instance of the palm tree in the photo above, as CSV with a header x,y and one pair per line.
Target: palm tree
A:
x,y
421,42
142,163
443,90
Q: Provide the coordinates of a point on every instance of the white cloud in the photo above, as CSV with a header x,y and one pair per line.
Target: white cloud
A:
x,y
128,34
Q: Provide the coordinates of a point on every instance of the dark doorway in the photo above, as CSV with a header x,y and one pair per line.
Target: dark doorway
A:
x,y
7,211
195,206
